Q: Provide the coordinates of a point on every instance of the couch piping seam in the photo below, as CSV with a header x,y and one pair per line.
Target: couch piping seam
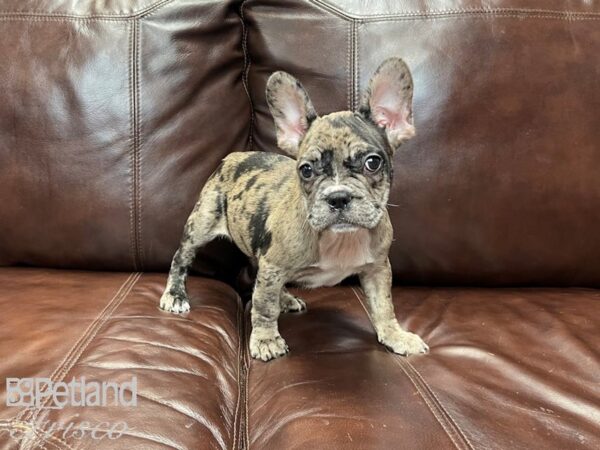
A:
x,y
432,392
24,415
349,67
482,16
131,148
435,407
247,366
245,76
408,15
138,121
134,147
434,13
236,423
47,438
17,425
102,17
353,62
356,74
70,362
75,353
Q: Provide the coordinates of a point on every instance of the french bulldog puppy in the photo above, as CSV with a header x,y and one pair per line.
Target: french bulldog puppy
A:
x,y
314,218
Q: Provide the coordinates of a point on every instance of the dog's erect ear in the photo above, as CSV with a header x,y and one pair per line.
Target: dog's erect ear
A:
x,y
388,101
291,108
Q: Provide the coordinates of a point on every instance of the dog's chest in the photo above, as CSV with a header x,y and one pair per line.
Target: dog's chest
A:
x,y
340,255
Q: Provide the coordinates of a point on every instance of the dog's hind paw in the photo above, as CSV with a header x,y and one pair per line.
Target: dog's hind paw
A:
x,y
176,304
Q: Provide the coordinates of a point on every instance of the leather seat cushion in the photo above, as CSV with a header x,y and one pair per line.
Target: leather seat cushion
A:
x,y
107,327
516,368
510,368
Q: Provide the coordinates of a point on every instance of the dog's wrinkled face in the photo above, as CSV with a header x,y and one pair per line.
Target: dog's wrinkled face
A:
x,y
344,159
345,171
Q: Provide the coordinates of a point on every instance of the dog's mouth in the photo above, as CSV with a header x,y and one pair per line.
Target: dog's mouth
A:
x,y
343,227
361,216
343,224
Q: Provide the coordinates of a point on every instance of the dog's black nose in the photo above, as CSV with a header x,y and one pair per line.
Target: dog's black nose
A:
x,y
338,200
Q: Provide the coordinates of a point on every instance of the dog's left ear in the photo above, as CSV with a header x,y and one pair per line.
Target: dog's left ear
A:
x,y
387,102
291,109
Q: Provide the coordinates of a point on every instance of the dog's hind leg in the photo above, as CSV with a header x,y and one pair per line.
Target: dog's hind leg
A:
x,y
206,222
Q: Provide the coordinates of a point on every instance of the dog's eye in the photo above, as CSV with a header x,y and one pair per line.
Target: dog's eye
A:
x,y
306,171
373,163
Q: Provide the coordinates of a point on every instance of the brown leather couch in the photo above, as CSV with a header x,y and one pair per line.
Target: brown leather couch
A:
x,y
115,112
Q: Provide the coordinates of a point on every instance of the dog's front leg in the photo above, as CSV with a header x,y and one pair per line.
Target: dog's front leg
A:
x,y
377,285
265,341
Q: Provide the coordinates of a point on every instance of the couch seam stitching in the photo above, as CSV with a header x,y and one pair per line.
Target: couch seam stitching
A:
x,y
150,11
239,358
134,147
356,74
47,438
245,76
436,409
570,16
433,13
348,66
68,17
429,401
432,392
247,390
113,305
33,19
117,300
23,416
482,16
138,57
16,425
131,70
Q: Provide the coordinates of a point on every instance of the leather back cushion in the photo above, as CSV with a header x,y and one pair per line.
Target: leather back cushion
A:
x,y
500,185
113,115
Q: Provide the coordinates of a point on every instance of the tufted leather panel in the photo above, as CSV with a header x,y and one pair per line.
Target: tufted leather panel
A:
x,y
499,186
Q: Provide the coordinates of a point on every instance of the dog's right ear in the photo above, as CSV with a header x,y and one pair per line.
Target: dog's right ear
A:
x,y
291,109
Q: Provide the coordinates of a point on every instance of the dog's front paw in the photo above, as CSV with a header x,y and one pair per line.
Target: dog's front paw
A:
x,y
267,345
177,304
290,303
402,342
